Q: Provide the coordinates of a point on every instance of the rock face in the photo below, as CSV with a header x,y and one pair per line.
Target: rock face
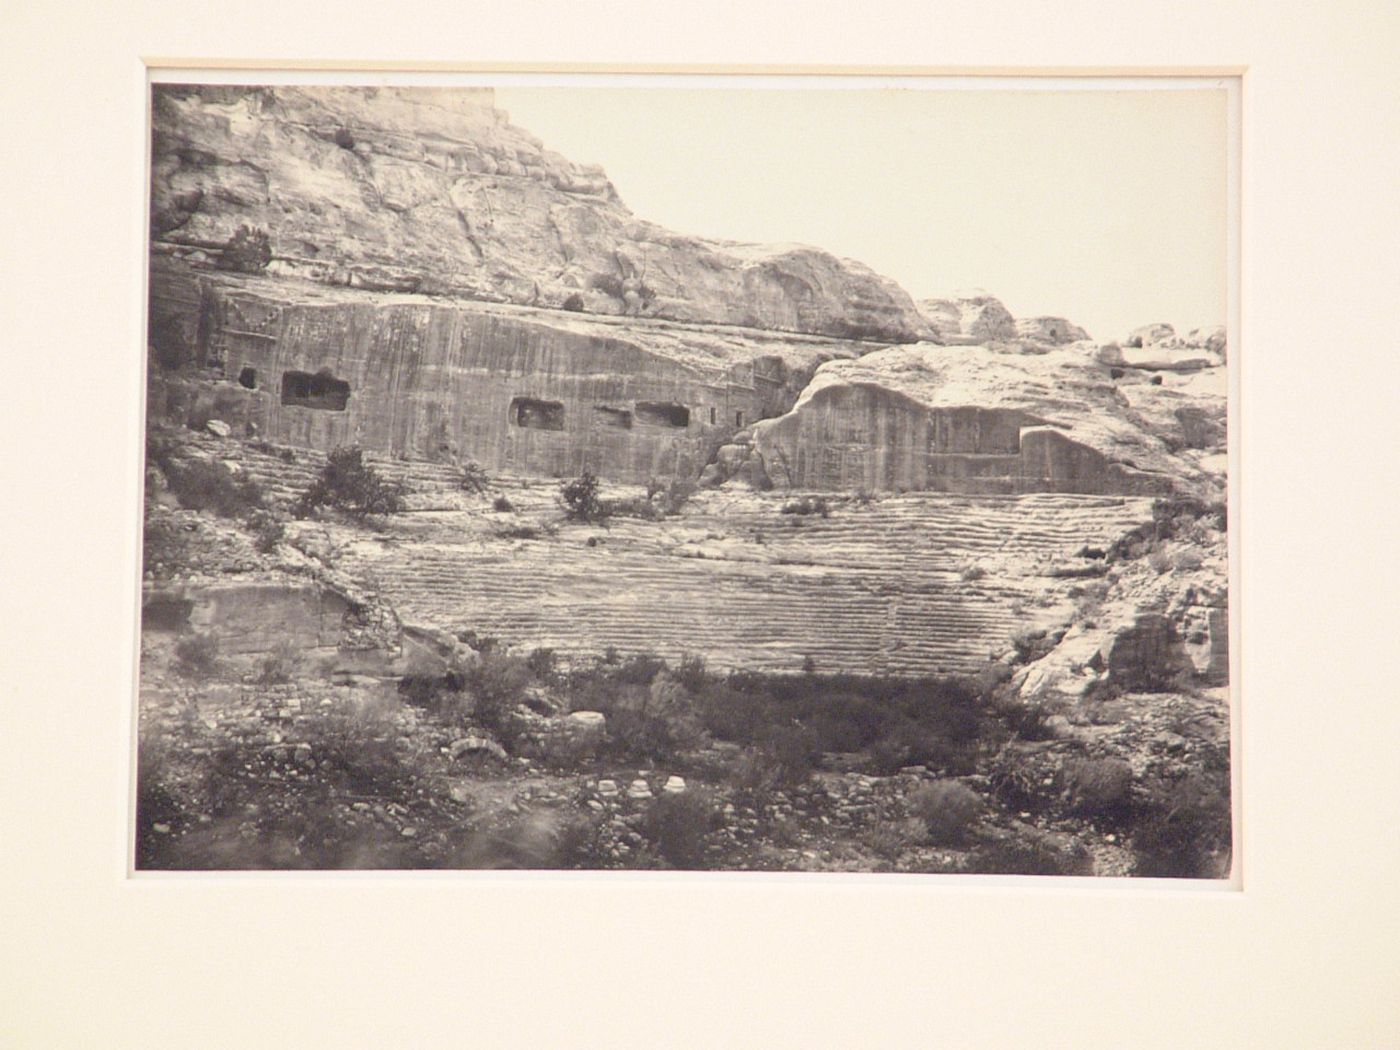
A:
x,y
525,391
417,189
1055,331
969,318
970,420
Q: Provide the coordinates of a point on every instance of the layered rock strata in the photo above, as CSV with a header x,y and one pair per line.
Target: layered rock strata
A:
x,y
415,189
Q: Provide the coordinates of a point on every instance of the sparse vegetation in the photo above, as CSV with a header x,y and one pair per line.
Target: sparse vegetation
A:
x,y
249,250
581,499
474,478
947,810
808,505
349,484
197,655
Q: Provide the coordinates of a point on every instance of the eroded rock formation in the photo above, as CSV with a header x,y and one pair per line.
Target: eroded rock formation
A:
x,y
422,190
974,420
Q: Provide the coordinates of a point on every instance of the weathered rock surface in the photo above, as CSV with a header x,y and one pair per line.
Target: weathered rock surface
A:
x,y
970,419
968,318
435,191
522,389
1053,330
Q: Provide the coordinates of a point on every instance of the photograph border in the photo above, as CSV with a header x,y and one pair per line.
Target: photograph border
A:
x,y
792,78
1303,956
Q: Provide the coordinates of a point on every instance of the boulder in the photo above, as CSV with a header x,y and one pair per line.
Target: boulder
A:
x,y
1055,331
639,789
1149,335
587,721
218,428
969,317
674,785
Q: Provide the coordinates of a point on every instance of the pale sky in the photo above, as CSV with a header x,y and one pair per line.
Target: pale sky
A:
x,y
1106,207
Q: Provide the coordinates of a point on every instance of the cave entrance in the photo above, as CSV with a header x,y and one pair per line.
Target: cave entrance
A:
x,y
663,413
321,390
534,414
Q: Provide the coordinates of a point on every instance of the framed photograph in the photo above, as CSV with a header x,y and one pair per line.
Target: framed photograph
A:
x,y
800,551
490,524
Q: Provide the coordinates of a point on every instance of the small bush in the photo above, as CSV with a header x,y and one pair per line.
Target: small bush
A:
x,y
541,663
574,303
279,665
679,826
208,484
347,483
268,530
501,505
197,654
249,250
971,573
947,809
1098,787
474,477
344,139
497,682
808,505
1017,857
1187,833
581,500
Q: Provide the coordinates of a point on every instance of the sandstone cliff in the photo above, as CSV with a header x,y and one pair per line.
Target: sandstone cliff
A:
x,y
999,419
414,189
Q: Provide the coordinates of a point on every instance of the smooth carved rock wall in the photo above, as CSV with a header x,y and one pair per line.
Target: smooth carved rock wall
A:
x,y
448,383
850,436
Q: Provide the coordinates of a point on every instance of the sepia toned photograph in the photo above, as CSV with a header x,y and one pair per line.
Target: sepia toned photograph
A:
x,y
728,475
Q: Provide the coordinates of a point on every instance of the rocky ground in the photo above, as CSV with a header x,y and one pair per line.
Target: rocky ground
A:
x,y
1052,756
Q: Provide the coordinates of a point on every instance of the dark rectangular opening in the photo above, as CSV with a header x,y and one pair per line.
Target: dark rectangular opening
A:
x,y
713,413
321,390
536,415
613,417
663,413
248,378
738,419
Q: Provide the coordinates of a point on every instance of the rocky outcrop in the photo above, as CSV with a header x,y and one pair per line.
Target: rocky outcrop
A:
x,y
974,420
969,318
435,191
1055,331
529,391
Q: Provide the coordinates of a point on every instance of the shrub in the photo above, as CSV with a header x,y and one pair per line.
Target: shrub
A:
x,y
1017,857
1098,787
691,673
208,484
344,139
541,663
197,654
347,483
164,547
501,505
581,500
249,250
678,827
474,477
574,303
1187,834
279,665
972,573
355,745
808,505
268,530
496,683
947,809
